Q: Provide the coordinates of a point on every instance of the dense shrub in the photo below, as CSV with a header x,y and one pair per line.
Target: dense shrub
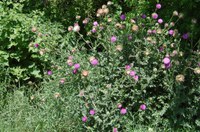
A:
x,y
129,71
25,38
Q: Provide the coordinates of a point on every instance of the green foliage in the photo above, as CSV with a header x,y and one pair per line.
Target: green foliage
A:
x,y
19,33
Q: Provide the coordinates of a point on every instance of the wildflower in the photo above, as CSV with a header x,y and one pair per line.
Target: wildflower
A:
x,y
128,67
56,95
199,64
161,48
76,28
180,78
49,72
105,10
136,77
135,28
74,71
70,62
154,15
115,129
122,17
92,112
143,16
100,11
34,29
130,37
175,13
95,23
77,66
132,73
78,17
185,36
109,3
94,30
149,31
70,28
123,111
143,107
85,21
113,39
158,6
84,118
91,58
42,51
39,34
85,73
104,6
62,80
197,70
109,19
94,62
171,32
36,45
172,24
166,60
119,106
167,66
160,21
154,31
119,47
166,25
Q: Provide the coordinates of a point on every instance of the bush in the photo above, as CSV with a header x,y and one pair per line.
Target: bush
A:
x,y
129,71
25,39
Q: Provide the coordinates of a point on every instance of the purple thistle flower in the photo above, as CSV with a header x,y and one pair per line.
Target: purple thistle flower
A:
x,y
119,106
122,17
95,23
160,20
92,112
132,73
166,60
49,72
123,111
158,6
130,37
36,45
84,118
74,71
94,62
113,39
143,107
154,31
161,48
127,67
167,66
77,66
115,130
143,16
94,30
185,36
171,32
154,15
199,64
136,77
